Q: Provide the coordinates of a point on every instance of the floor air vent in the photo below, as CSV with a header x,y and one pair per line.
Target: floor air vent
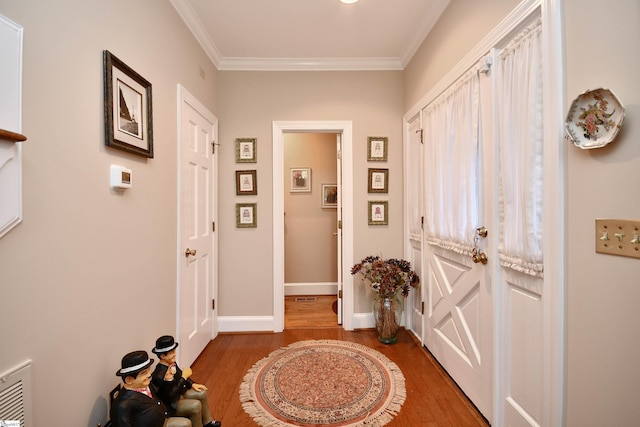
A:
x,y
305,299
15,395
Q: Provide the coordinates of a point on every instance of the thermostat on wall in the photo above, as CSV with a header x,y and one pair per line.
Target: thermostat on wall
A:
x,y
120,177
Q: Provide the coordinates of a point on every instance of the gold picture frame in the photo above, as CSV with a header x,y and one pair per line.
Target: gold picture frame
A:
x,y
378,180
246,215
378,212
377,148
246,150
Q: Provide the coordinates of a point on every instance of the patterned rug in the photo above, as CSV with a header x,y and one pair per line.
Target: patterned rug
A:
x,y
323,383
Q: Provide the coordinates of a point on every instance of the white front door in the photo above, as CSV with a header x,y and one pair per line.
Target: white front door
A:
x,y
413,225
197,243
459,320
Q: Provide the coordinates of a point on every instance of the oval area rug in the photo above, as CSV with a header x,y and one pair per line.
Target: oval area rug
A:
x,y
323,383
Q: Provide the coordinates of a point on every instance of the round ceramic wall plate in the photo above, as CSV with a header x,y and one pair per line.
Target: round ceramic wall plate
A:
x,y
594,119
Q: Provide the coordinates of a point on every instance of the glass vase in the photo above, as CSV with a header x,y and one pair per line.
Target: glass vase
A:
x,y
387,313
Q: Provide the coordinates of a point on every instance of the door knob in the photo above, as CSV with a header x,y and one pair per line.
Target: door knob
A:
x,y
191,252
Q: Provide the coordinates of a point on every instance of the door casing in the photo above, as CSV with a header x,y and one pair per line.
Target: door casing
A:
x,y
279,129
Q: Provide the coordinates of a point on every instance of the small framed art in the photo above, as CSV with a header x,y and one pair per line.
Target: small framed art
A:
x,y
300,180
128,117
378,212
246,183
377,148
246,150
378,180
329,196
246,215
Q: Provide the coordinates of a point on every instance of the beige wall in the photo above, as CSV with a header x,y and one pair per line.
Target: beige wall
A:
x,y
249,103
310,248
602,291
460,28
90,274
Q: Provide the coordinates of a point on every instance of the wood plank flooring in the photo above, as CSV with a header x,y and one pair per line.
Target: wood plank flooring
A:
x,y
433,399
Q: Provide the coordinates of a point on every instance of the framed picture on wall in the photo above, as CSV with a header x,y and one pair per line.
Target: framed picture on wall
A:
x,y
246,215
329,196
246,183
300,180
377,148
128,118
246,150
378,180
378,212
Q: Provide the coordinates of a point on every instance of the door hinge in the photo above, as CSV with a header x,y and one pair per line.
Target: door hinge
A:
x,y
340,225
213,226
340,294
422,222
213,304
213,147
339,155
422,308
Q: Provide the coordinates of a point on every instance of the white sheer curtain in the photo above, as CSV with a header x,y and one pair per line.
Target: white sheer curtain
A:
x,y
520,141
414,187
451,142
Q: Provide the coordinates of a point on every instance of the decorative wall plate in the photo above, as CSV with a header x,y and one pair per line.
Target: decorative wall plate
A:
x,y
594,119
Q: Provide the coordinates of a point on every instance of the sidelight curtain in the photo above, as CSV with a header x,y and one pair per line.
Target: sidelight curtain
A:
x,y
520,141
451,141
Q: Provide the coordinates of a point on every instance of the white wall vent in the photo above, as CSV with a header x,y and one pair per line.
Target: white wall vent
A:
x,y
16,395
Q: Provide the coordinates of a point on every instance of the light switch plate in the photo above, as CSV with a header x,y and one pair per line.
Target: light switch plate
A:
x,y
618,237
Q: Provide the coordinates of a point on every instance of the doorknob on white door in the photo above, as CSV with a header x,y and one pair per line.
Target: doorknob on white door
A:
x,y
190,252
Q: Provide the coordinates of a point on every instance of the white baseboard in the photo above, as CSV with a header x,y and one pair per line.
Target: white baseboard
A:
x,y
363,321
245,324
321,288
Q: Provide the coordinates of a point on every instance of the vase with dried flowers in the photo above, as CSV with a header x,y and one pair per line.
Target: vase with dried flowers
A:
x,y
389,279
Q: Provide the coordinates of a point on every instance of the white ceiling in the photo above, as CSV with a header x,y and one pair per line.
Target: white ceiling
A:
x,y
310,34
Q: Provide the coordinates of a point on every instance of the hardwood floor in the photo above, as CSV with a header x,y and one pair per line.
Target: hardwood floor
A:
x,y
433,399
310,312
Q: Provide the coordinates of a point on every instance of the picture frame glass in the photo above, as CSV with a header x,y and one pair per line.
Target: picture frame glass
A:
x,y
378,180
246,183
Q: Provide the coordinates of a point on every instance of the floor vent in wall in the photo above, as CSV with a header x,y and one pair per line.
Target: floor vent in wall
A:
x,y
15,395
305,299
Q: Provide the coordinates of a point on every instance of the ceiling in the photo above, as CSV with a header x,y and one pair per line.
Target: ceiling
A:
x,y
310,34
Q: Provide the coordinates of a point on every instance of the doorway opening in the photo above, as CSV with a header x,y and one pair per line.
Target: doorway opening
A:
x,y
282,182
311,237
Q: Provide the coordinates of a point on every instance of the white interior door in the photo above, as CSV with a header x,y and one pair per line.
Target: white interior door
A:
x,y
197,242
459,321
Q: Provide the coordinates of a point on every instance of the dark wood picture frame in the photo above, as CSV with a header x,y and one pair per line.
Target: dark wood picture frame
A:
x,y
128,111
378,180
246,183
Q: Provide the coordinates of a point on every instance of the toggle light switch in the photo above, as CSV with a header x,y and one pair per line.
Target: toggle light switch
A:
x,y
621,229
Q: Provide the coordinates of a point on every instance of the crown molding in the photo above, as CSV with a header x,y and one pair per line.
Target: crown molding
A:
x,y
310,64
190,18
421,35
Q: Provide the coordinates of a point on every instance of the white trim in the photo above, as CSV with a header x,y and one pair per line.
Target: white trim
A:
x,y
555,154
321,288
190,18
246,323
309,64
279,128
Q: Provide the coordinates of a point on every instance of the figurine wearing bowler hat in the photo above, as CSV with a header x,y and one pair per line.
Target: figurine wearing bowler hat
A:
x,y
180,394
137,404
